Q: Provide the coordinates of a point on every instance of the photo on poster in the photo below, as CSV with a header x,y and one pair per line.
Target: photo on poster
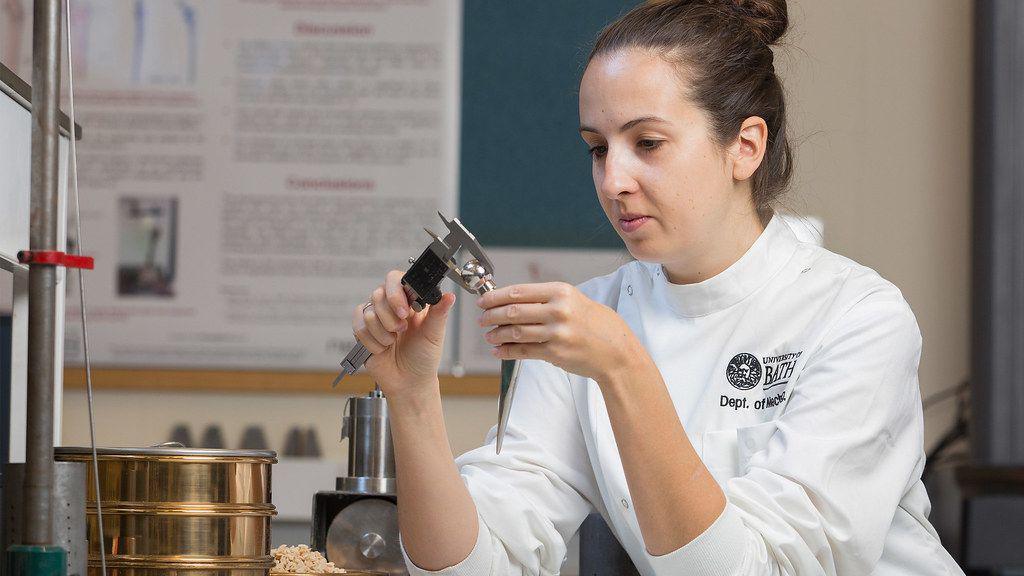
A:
x,y
147,230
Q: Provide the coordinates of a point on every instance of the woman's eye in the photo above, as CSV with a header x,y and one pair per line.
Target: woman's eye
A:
x,y
648,144
598,151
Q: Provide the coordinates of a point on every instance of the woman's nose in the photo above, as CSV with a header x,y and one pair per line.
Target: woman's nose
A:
x,y
618,176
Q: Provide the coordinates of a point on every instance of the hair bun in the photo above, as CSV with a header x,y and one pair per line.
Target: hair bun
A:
x,y
767,18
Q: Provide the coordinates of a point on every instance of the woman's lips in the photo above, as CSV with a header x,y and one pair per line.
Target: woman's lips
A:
x,y
629,225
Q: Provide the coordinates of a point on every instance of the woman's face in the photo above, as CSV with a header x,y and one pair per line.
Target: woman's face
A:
x,y
666,187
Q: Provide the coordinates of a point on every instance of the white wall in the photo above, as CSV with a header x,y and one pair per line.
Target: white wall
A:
x,y
130,418
880,101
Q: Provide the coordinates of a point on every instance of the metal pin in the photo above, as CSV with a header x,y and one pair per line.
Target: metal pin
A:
x,y
433,234
508,394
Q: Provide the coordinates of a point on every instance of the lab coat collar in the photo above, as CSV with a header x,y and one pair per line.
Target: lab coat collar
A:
x,y
769,253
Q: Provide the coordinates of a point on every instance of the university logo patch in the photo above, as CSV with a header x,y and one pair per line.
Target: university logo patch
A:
x,y
743,371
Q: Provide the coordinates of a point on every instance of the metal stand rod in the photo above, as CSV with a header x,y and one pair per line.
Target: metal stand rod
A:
x,y
42,279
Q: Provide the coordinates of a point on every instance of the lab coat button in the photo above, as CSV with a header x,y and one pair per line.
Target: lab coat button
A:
x,y
625,504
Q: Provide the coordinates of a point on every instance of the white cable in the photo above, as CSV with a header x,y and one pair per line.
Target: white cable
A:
x,y
73,184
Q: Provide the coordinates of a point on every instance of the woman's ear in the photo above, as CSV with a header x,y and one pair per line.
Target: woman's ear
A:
x,y
749,147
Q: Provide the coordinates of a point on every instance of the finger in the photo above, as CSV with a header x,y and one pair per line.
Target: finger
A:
x,y
387,316
518,313
396,296
437,314
362,334
518,333
523,293
377,329
520,351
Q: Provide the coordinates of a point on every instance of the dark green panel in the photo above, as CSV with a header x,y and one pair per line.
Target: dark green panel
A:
x,y
525,174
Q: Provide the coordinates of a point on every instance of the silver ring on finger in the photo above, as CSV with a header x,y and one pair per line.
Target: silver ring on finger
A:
x,y
366,306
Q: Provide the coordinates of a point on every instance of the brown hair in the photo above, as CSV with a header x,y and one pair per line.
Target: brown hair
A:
x,y
724,46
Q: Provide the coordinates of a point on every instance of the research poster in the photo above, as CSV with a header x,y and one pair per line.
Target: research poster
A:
x,y
250,169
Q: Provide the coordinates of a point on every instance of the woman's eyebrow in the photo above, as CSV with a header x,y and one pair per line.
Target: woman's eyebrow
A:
x,y
628,125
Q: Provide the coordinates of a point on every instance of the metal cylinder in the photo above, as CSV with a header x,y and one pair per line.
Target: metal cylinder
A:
x,y
370,453
68,511
371,456
186,512
37,522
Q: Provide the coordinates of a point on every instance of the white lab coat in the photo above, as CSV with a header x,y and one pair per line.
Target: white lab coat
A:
x,y
794,373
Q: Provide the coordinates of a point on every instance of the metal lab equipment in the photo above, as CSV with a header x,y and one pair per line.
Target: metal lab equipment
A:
x,y
32,202
67,511
356,525
371,456
423,279
180,511
421,283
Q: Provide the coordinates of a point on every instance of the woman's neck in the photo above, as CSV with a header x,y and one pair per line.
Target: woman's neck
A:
x,y
729,243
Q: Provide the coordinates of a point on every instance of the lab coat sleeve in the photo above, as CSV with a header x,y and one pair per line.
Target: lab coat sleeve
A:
x,y
531,498
815,491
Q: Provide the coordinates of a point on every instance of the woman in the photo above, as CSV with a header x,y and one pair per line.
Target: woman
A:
x,y
733,402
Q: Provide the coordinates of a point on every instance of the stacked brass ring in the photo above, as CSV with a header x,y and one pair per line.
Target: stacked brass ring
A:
x,y
182,511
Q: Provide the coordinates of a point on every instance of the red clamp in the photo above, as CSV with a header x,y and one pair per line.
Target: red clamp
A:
x,y
55,258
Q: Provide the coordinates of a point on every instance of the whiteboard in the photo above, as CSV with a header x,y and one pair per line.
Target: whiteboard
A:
x,y
15,203
15,150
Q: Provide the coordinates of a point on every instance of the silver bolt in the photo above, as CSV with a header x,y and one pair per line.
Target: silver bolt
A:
x,y
371,545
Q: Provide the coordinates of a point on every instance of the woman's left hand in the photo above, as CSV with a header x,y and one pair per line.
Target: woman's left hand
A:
x,y
555,322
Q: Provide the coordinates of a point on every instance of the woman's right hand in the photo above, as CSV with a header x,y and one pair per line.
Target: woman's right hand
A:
x,y
406,345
